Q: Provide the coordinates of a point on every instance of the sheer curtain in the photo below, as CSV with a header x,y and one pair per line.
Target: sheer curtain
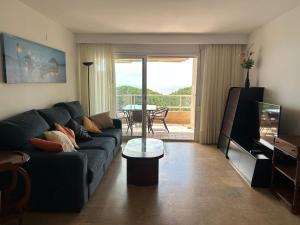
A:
x,y
102,78
221,71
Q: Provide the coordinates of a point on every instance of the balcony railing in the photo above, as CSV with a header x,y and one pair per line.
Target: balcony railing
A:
x,y
173,102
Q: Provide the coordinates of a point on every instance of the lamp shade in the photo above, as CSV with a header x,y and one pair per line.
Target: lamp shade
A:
x,y
88,63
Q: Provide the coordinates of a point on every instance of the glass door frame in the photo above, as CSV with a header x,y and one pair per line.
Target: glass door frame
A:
x,y
144,88
197,94
197,91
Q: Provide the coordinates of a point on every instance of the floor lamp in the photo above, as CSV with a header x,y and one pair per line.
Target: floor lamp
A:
x,y
88,64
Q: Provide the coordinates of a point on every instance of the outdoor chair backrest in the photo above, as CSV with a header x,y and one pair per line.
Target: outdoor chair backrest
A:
x,y
162,112
137,116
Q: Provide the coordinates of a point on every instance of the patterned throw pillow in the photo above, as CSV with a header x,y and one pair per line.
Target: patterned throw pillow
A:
x,y
61,138
103,120
67,131
81,134
90,126
47,146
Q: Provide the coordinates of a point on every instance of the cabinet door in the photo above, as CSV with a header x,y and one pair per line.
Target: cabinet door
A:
x,y
247,165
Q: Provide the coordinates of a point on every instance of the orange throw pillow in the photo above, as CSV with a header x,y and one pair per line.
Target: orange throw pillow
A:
x,y
67,131
47,146
90,126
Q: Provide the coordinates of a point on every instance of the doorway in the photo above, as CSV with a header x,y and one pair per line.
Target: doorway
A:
x,y
169,96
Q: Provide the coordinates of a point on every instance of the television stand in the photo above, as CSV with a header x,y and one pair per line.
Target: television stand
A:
x,y
251,163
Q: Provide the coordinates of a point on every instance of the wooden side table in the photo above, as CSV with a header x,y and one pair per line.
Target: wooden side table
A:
x,y
11,208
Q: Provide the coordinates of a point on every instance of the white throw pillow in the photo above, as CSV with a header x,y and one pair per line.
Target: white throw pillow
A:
x,y
61,138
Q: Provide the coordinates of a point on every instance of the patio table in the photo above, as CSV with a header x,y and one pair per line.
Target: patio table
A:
x,y
139,107
128,108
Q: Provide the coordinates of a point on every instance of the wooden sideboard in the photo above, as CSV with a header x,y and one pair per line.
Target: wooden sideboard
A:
x,y
240,122
254,167
286,171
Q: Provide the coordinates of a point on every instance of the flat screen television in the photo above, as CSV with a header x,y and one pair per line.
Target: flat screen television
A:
x,y
269,121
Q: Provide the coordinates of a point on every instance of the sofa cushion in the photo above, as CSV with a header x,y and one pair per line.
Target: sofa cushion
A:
x,y
55,115
90,126
81,134
106,143
60,138
74,109
46,146
67,131
18,130
96,164
103,120
111,132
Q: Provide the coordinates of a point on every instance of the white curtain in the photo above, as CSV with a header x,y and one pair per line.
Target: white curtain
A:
x,y
102,78
221,71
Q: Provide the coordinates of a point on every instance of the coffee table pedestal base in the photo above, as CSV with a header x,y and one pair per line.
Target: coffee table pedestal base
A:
x,y
142,172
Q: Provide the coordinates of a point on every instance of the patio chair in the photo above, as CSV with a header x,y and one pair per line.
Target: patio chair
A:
x,y
159,115
135,116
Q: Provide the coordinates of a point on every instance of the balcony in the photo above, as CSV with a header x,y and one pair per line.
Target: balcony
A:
x,y
179,118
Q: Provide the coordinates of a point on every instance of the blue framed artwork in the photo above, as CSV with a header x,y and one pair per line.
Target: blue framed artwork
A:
x,y
29,62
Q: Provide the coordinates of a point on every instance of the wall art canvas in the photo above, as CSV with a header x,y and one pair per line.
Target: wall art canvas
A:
x,y
29,62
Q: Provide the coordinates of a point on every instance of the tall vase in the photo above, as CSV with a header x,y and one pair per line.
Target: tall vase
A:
x,y
247,81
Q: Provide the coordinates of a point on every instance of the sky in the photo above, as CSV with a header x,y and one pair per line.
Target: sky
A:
x,y
163,77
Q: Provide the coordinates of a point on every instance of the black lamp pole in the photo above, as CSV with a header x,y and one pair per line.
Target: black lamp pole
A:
x,y
88,64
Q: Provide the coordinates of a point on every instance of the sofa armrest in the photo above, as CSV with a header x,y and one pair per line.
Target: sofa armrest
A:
x,y
117,123
59,181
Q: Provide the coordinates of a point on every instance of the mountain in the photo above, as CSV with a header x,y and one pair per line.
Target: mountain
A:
x,y
129,90
183,91
154,98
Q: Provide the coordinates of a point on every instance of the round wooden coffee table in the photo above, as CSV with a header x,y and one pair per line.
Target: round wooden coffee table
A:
x,y
142,156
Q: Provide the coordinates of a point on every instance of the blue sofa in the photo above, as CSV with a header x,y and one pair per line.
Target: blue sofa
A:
x,y
61,181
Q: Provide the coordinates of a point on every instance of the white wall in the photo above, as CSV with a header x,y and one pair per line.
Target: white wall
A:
x,y
277,51
20,20
157,49
157,39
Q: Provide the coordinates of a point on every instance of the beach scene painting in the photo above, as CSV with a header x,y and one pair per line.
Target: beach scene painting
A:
x,y
29,62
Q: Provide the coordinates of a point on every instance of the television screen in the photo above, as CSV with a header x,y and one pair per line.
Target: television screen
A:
x,y
269,119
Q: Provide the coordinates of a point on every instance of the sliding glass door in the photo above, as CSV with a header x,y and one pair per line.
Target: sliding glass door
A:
x,y
170,88
129,95
155,96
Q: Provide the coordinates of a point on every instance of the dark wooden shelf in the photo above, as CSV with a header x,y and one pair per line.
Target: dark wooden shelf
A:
x,y
286,159
288,170
285,195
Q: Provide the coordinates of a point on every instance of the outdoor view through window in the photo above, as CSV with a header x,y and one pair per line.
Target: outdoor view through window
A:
x,y
169,86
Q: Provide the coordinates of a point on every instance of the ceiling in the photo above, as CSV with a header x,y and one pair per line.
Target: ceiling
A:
x,y
162,16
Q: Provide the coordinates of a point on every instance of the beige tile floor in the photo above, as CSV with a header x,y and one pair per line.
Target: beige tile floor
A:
x,y
197,187
176,132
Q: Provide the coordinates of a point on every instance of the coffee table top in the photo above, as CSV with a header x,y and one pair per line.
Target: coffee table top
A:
x,y
144,148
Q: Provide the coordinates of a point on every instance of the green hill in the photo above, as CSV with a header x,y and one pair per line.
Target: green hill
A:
x,y
129,90
183,91
154,98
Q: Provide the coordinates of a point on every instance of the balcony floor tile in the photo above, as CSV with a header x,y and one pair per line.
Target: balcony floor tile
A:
x,y
177,132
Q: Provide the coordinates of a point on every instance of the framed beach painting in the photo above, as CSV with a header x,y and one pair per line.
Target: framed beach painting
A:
x,y
29,62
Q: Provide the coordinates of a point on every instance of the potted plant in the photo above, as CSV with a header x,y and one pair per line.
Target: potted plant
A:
x,y
247,63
